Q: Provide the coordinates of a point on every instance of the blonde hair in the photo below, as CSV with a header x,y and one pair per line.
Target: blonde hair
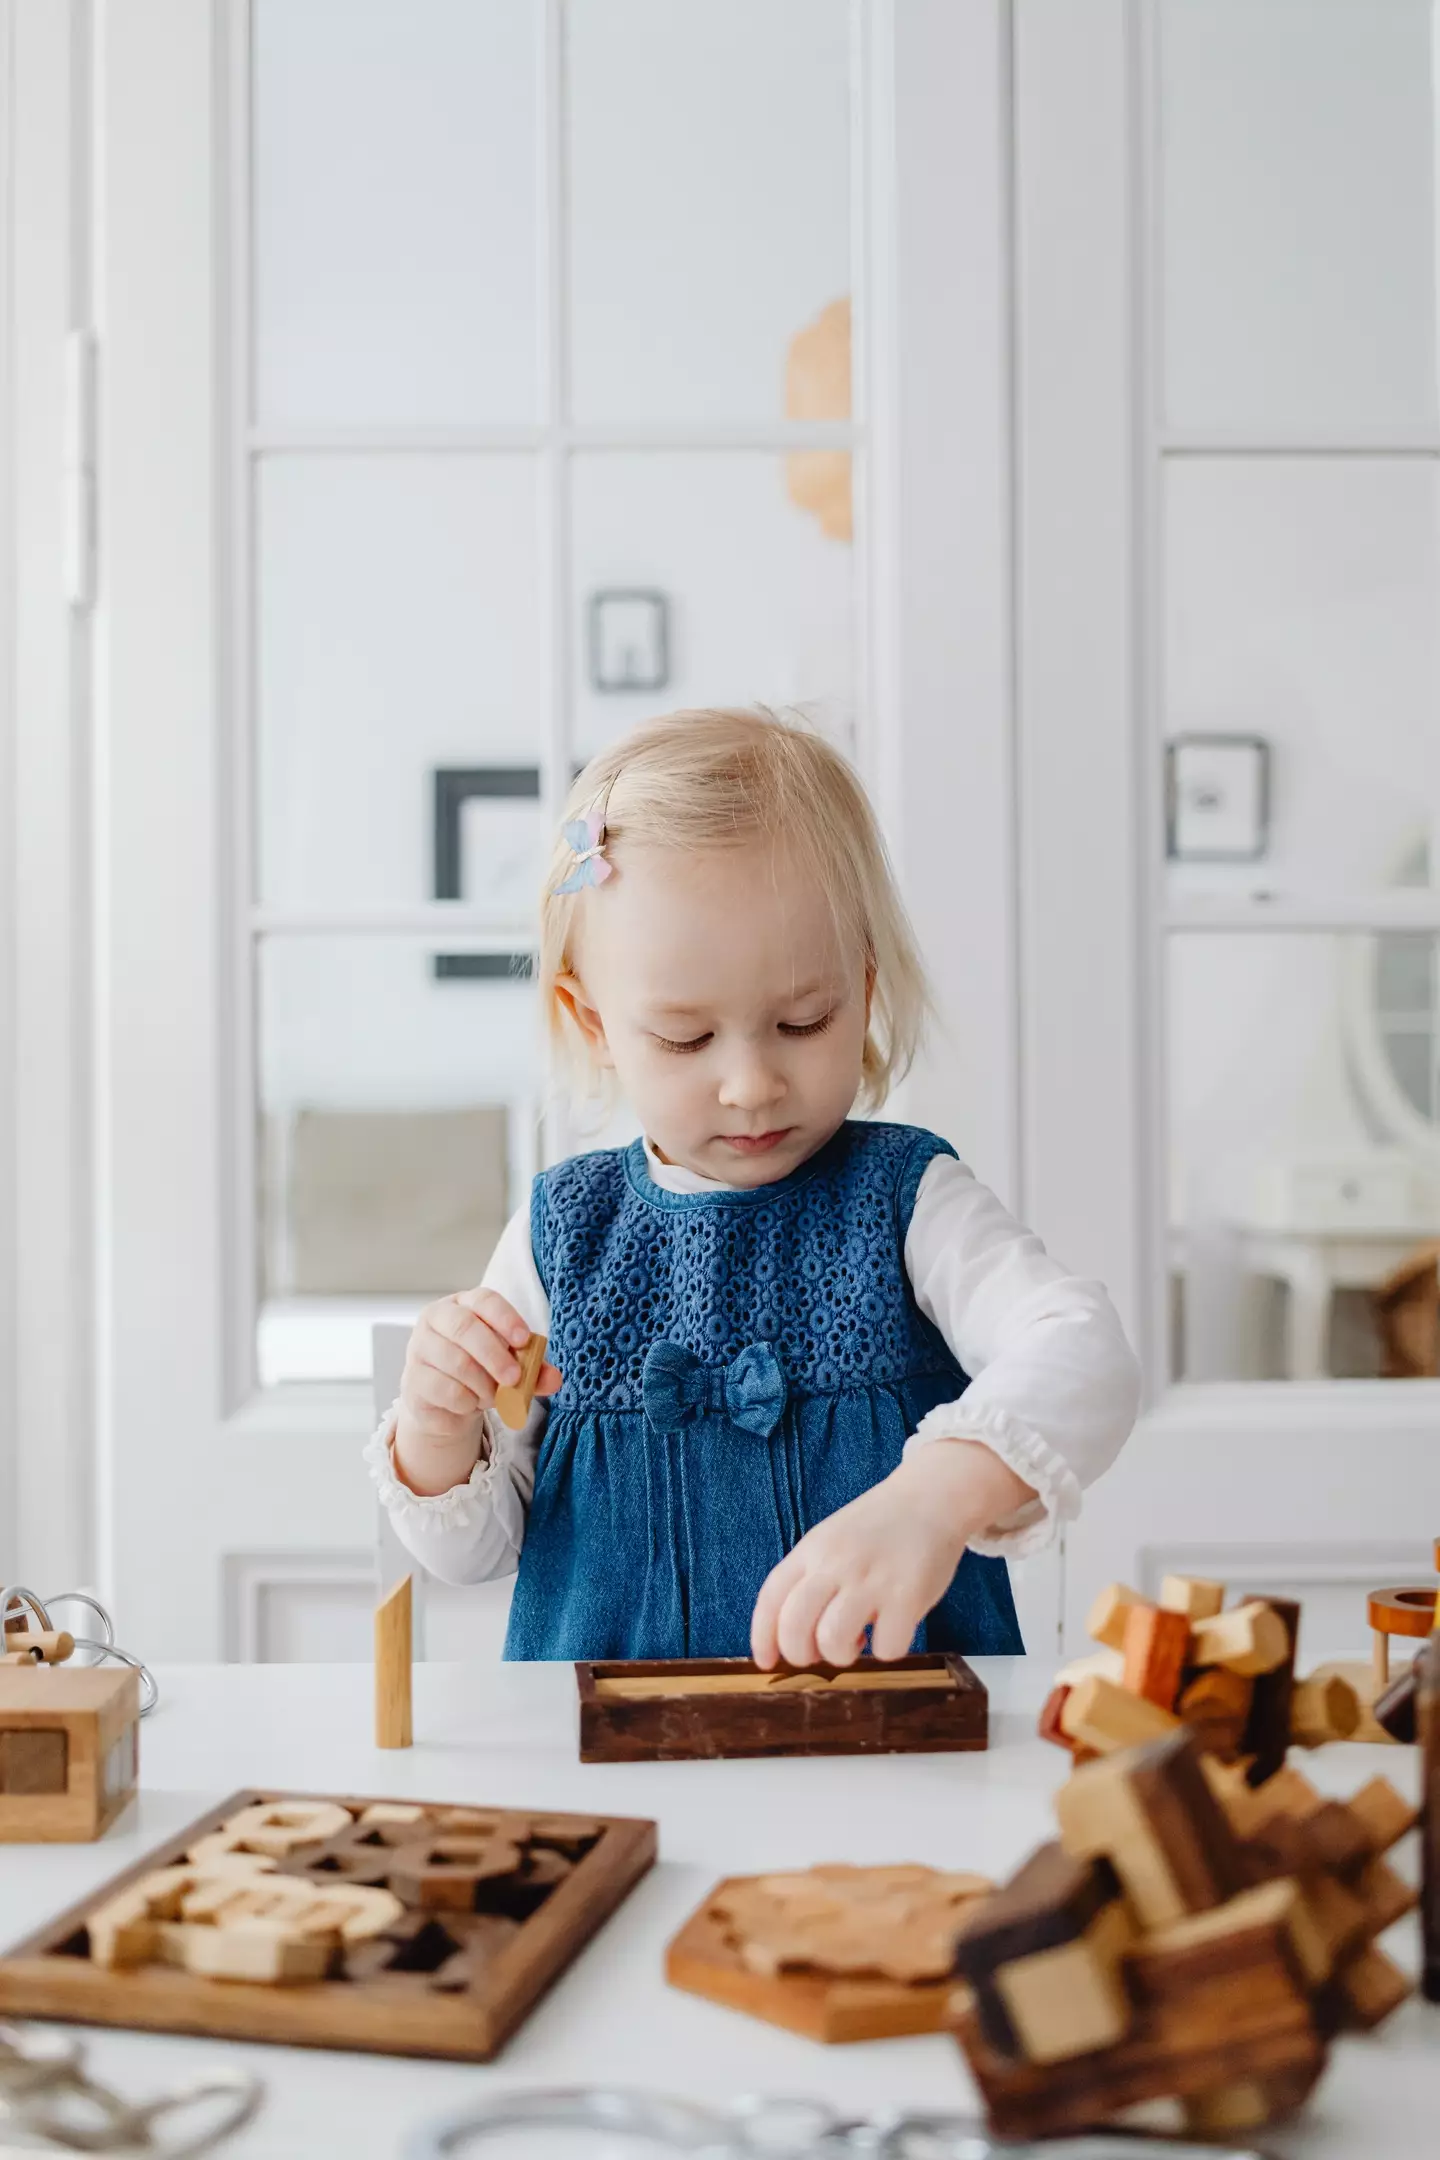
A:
x,y
716,777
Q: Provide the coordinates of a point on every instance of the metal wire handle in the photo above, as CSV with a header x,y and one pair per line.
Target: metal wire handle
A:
x,y
16,1601
779,2129
47,2095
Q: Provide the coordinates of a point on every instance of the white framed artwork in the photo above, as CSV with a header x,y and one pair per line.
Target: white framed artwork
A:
x,y
1217,798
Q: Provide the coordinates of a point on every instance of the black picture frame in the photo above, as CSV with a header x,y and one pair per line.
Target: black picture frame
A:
x,y
1257,845
453,786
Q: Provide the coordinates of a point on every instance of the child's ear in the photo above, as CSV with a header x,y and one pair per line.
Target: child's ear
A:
x,y
572,995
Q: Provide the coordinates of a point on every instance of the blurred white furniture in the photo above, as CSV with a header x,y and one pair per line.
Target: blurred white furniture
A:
x,y
1313,1265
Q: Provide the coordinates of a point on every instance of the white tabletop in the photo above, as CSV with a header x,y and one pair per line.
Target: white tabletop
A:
x,y
507,1735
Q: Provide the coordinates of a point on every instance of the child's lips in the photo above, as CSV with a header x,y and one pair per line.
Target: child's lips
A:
x,y
756,1143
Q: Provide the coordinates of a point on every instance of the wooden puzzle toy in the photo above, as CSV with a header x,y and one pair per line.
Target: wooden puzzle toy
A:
x,y
394,1667
513,1403
1184,1659
836,1953
1192,1937
401,1927
656,1710
69,1749
1397,1612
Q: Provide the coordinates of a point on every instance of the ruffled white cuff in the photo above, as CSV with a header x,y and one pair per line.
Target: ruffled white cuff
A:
x,y
462,1508
1031,1528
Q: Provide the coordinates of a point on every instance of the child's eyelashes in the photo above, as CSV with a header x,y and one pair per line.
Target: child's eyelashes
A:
x,y
698,1042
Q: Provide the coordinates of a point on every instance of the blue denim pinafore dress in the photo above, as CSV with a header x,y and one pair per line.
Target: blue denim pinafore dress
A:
x,y
738,1365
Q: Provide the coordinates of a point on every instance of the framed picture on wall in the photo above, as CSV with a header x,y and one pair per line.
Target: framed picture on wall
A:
x,y
1217,798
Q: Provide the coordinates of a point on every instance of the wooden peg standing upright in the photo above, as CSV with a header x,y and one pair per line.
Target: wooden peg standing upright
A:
x,y
393,1656
1267,1729
513,1403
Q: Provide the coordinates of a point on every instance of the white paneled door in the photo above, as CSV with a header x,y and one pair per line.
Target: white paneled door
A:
x,y
474,381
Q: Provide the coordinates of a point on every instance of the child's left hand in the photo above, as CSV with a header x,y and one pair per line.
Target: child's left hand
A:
x,y
883,1561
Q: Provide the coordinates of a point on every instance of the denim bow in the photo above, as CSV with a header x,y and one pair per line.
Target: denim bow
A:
x,y
750,1390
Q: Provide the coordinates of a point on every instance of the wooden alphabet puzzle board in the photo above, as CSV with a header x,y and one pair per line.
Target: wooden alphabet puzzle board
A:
x,y
398,1927
684,1709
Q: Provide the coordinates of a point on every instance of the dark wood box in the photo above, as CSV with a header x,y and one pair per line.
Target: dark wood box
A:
x,y
680,1710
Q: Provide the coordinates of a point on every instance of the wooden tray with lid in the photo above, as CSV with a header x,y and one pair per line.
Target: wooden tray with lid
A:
x,y
688,1709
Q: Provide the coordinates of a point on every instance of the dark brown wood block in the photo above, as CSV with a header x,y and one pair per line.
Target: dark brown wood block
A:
x,y
33,1762
1267,1729
1427,1732
683,1710
456,1987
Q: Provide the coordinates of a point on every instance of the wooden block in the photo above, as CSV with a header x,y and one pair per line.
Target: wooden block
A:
x,y
513,1403
1098,1714
393,1667
45,1646
1106,1623
1155,1644
1049,1726
1385,1815
1264,2035
68,1750
1228,2109
1215,1705
1338,1915
1250,1639
1106,1664
1323,1710
1368,1987
1402,1612
1224,1948
33,1762
1385,1896
670,1710
1193,1596
1427,1733
246,1947
1042,1955
1394,1706
1151,1813
1266,1739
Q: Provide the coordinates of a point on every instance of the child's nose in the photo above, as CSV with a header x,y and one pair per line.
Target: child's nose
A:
x,y
751,1082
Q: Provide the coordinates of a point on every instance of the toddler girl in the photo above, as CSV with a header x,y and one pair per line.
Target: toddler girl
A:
x,y
809,1378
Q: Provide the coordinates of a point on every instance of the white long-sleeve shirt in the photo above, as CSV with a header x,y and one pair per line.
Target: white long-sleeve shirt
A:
x,y
1054,1386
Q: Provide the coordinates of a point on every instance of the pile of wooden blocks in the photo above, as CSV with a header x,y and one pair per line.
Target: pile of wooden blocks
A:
x,y
1184,1660
1191,1938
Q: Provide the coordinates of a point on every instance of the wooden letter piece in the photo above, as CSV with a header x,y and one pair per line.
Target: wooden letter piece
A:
x,y
1193,1596
1250,1639
1106,1623
1155,1647
1042,1955
1097,1714
393,1667
513,1403
1151,1813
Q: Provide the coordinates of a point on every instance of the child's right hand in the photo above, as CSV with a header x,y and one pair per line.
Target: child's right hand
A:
x,y
461,1350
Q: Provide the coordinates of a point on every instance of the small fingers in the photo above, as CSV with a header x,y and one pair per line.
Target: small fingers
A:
x,y
764,1644
795,1628
549,1380
427,1388
498,1313
454,1322
893,1628
840,1632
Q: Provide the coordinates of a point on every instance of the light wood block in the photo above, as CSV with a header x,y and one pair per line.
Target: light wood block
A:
x,y
69,1741
1191,1595
1249,1639
1106,1623
1324,1710
1100,1715
393,1667
513,1403
1151,1813
1156,1643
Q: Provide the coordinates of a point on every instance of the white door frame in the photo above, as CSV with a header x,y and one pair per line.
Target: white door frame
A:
x,y
9,1130
195,1484
1278,1481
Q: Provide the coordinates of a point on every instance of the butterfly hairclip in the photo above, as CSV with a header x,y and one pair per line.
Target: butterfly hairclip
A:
x,y
585,838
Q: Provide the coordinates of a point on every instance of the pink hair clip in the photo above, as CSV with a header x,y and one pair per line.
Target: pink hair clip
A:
x,y
585,838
